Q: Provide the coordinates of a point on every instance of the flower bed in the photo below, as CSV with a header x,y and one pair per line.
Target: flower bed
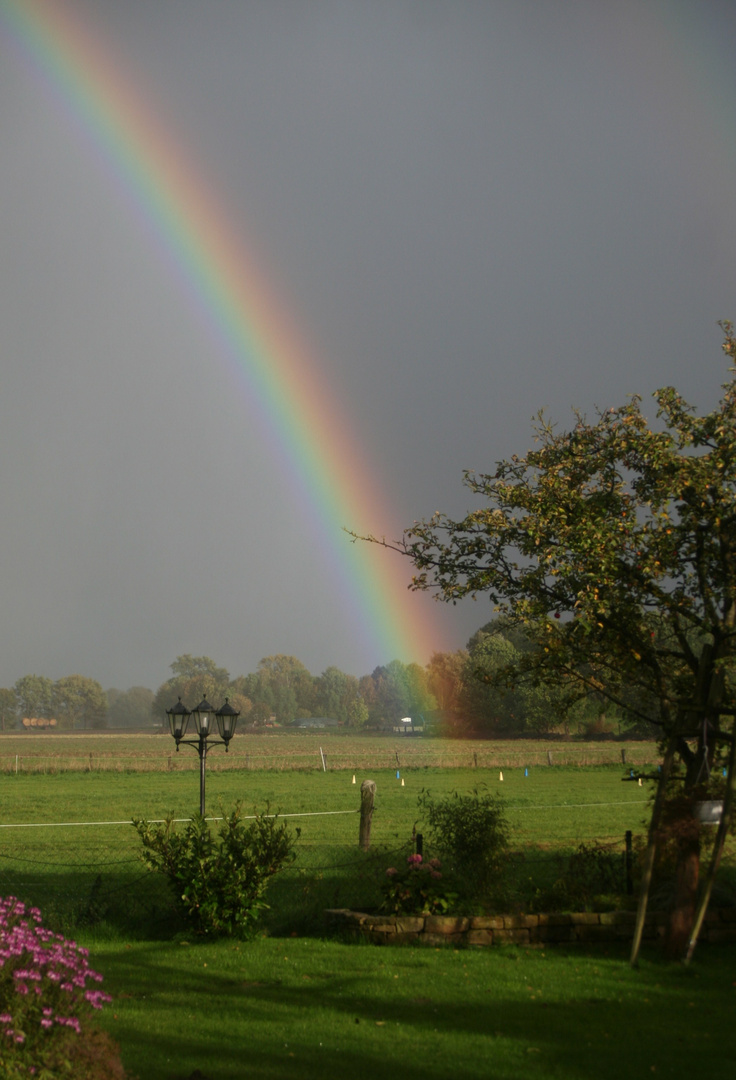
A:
x,y
484,930
48,993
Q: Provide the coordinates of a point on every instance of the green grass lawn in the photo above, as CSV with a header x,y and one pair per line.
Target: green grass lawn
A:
x,y
304,1006
307,1008
67,868
548,804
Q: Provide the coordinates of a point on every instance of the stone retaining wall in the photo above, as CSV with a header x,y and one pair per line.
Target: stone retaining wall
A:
x,y
720,926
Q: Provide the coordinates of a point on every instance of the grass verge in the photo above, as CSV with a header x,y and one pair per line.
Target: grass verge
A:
x,y
317,1008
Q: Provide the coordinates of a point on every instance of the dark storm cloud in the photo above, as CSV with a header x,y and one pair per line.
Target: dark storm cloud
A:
x,y
472,209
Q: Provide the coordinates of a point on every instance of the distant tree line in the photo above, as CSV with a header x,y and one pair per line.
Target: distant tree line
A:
x,y
72,703
459,694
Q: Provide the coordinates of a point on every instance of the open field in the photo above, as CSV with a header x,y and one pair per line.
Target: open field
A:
x,y
116,752
52,852
49,854
307,1007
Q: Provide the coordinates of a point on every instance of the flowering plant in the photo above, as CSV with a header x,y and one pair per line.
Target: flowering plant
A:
x,y
419,888
47,993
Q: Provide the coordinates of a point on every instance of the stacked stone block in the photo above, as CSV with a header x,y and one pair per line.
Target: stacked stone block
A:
x,y
586,927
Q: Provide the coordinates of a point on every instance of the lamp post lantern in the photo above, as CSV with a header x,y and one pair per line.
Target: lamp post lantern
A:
x,y
205,718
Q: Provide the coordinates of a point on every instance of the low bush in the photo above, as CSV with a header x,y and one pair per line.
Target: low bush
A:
x,y
591,879
219,880
472,834
48,994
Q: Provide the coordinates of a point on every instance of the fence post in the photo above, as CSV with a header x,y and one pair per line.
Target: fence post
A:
x,y
549,757
623,756
419,841
367,797
629,866
324,763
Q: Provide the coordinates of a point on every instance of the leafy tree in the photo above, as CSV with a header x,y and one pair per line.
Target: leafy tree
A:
x,y
79,702
195,667
490,704
284,685
385,694
421,700
394,690
495,702
446,674
34,694
335,693
194,678
613,545
358,712
130,708
8,709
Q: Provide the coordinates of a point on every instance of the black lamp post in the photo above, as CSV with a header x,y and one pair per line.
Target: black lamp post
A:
x,y
226,718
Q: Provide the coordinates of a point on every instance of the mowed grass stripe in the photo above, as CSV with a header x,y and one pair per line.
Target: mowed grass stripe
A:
x,y
550,806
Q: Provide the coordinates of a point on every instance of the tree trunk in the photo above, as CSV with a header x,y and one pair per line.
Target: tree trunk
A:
x,y
686,829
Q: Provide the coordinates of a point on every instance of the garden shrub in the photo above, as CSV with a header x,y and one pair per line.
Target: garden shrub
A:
x,y
417,888
592,879
471,833
47,1000
219,880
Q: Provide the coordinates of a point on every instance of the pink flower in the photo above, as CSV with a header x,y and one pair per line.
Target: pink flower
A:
x,y
391,871
414,860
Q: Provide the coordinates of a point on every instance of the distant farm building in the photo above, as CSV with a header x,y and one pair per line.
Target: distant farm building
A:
x,y
407,726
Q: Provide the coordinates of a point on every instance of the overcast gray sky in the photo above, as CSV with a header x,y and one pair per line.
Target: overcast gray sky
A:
x,y
471,209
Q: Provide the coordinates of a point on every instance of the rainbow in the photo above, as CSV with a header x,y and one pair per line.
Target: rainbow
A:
x,y
185,219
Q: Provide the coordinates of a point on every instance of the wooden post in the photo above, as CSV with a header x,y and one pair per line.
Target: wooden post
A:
x,y
324,763
717,852
549,757
367,796
623,756
475,759
648,866
629,865
419,842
